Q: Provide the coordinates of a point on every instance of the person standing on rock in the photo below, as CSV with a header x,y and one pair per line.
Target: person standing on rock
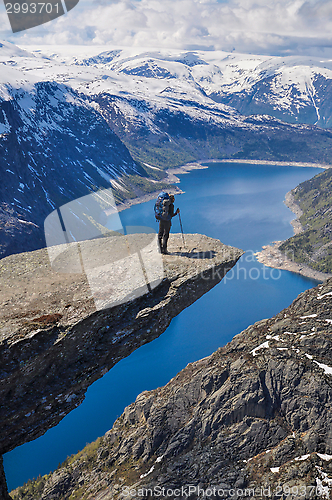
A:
x,y
164,212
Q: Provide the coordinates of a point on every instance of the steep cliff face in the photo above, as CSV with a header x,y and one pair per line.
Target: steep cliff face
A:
x,y
54,148
255,414
174,129
56,339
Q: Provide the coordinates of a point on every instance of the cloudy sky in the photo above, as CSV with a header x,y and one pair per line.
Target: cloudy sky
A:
x,y
275,27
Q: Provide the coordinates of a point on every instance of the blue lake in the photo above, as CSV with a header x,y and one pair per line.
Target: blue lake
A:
x,y
242,205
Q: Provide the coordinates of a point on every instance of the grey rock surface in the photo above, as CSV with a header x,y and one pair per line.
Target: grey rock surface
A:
x,y
252,419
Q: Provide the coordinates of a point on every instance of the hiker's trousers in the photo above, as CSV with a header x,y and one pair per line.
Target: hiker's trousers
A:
x,y
164,229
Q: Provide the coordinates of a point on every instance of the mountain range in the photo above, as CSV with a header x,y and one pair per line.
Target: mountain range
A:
x,y
295,89
78,119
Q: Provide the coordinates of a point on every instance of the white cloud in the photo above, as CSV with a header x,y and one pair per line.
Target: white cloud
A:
x,y
257,26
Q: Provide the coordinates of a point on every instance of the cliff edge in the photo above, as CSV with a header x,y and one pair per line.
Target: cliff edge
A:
x,y
55,342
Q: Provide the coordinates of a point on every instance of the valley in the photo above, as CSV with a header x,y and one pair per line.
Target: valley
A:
x,y
73,124
78,121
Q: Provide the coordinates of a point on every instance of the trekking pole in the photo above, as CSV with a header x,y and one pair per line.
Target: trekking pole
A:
x,y
184,244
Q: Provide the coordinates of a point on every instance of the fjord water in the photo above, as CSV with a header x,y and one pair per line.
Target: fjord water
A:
x,y
242,205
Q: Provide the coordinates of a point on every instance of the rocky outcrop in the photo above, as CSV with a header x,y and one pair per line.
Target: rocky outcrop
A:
x,y
252,419
54,340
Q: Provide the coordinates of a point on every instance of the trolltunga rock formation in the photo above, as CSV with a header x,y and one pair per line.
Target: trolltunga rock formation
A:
x,y
56,337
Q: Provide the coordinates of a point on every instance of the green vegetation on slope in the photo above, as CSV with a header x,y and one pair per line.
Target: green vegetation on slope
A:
x,y
314,245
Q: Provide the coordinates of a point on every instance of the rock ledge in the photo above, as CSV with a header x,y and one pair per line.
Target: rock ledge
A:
x,y
54,343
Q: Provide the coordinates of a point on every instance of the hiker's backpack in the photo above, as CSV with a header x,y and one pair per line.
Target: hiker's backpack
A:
x,y
161,208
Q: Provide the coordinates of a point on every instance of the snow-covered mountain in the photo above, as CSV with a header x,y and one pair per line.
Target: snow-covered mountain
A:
x,y
292,89
168,105
54,147
65,110
295,89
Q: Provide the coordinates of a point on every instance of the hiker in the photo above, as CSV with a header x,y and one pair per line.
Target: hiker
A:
x,y
164,212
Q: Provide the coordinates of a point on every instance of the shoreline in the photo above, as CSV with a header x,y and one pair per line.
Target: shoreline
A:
x,y
172,178
273,163
271,256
